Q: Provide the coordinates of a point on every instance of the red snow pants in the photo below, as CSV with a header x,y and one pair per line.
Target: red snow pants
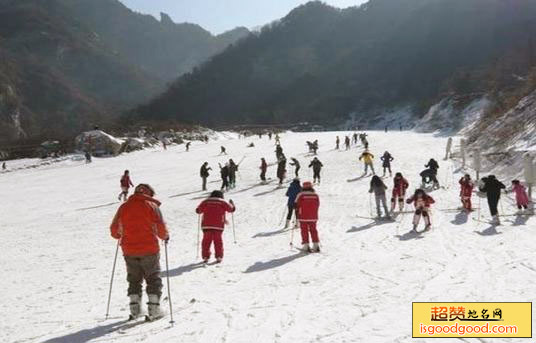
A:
x,y
306,229
210,236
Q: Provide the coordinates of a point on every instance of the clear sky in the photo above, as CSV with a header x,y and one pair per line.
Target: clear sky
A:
x,y
218,16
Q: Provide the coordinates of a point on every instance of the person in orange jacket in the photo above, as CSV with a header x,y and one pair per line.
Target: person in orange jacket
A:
x,y
213,223
137,225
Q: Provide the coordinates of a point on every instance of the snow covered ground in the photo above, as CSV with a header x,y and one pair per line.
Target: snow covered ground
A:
x,y
57,253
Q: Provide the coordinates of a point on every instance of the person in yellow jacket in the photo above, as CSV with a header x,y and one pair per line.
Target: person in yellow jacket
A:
x,y
368,158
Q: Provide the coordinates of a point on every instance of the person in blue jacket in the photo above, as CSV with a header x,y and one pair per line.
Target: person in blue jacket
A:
x,y
292,193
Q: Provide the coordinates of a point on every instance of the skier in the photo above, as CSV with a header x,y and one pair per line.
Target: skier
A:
x,y
315,146
492,187
138,224
387,158
188,146
277,139
386,127
281,168
4,167
263,168
278,151
431,174
203,172
466,192
367,158
224,172
233,168
422,203
296,164
292,192
522,198
317,167
223,151
337,143
378,188
355,137
347,142
88,157
448,148
366,143
399,192
213,210
270,135
307,204
125,183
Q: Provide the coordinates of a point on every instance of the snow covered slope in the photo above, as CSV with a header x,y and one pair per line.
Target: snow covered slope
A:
x,y
57,254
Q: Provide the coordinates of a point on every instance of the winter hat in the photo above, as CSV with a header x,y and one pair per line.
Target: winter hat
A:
x,y
216,194
398,175
296,179
144,188
307,185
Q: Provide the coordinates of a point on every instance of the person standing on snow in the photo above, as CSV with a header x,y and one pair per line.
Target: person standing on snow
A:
x,y
431,173
466,192
492,187
233,168
126,183
378,188
522,198
355,138
368,158
278,151
317,167
203,172
315,146
387,158
292,192
224,173
213,223
347,142
399,192
277,139
137,225
337,143
296,164
307,204
223,151
422,203
263,168
188,146
281,168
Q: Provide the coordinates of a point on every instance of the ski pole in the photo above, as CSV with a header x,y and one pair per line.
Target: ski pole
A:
x,y
234,233
168,289
292,237
112,281
282,217
198,233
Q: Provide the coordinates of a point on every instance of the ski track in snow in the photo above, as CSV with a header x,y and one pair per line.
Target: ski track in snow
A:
x,y
58,254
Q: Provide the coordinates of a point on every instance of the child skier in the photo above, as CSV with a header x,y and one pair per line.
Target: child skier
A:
x,y
466,192
263,168
522,198
292,192
281,168
399,192
307,204
367,157
203,172
213,210
138,224
387,158
422,203
233,168
378,188
125,185
296,164
317,167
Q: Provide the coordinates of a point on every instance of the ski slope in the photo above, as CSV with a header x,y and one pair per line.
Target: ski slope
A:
x,y
57,253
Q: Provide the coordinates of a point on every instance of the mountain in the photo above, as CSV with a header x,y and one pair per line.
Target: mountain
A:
x,y
321,64
66,65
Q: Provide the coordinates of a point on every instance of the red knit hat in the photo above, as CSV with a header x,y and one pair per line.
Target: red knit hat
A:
x,y
307,185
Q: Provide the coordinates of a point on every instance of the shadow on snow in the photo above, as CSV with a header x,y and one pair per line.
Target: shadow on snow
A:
x,y
278,262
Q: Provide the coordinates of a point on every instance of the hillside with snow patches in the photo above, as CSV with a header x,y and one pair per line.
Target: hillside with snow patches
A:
x,y
57,251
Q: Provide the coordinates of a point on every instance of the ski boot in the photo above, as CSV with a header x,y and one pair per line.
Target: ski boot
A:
x,y
219,259
496,220
428,227
316,247
414,228
135,306
287,224
154,311
306,248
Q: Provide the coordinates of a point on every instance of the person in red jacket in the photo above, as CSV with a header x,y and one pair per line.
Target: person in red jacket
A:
x,y
213,210
126,183
399,192
466,192
137,225
307,204
422,203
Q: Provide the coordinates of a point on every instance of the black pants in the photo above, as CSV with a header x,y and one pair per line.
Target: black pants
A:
x,y
316,175
291,209
204,183
493,201
224,184
263,175
296,171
